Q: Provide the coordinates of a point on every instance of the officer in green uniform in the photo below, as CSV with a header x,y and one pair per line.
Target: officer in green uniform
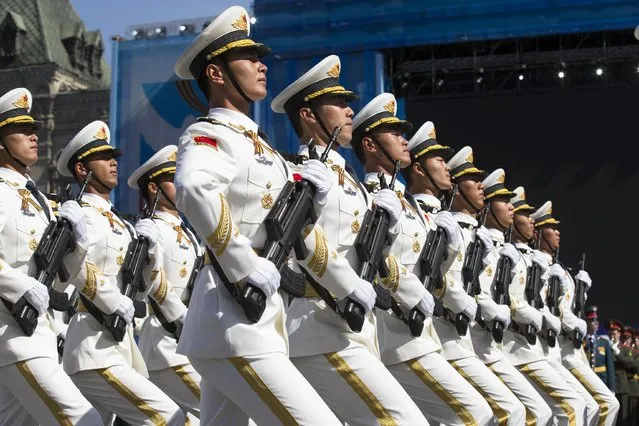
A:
x,y
598,350
623,363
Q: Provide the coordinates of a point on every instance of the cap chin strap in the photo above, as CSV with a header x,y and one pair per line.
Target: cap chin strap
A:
x,y
319,120
166,197
430,178
461,191
381,148
95,178
518,230
492,212
6,148
546,240
234,82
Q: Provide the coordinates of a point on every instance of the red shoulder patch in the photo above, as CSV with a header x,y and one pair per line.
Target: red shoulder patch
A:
x,y
204,140
297,177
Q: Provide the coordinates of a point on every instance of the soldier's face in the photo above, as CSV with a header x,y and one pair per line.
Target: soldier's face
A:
x,y
249,72
502,211
550,236
474,191
525,225
614,335
396,146
22,141
439,171
334,111
593,325
104,168
169,191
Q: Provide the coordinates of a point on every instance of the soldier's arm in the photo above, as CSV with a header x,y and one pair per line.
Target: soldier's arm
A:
x,y
521,310
568,319
406,288
453,294
206,167
90,281
13,283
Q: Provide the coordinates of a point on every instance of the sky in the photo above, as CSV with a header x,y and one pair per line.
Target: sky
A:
x,y
114,16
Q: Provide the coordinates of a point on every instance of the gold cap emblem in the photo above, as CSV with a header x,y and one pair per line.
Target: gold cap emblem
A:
x,y
432,134
523,195
101,134
241,23
390,107
501,178
550,210
22,101
470,158
334,71
172,156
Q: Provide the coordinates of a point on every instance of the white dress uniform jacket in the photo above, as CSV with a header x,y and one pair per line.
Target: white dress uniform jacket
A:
x,y
179,251
396,342
22,223
89,345
313,327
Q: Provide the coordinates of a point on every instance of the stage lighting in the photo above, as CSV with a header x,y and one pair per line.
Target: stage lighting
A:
x,y
599,71
253,20
137,33
520,77
186,29
561,74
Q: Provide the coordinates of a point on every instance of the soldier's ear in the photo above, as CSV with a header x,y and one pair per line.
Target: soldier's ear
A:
x,y
306,115
417,168
368,145
214,73
80,170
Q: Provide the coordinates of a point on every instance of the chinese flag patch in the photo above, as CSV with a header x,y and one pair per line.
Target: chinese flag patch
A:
x,y
297,177
204,140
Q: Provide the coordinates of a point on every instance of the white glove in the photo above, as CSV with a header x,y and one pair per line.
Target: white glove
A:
x,y
126,310
585,277
540,259
426,305
484,237
615,348
38,296
364,294
318,174
492,311
149,229
447,222
389,201
471,308
581,327
552,322
74,213
266,277
510,252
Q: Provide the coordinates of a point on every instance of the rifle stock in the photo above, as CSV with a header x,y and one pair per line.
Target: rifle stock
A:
x,y
580,302
552,299
503,277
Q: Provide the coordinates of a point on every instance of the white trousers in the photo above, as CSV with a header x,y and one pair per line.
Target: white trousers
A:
x,y
265,388
605,399
122,391
38,391
182,384
568,407
359,388
507,409
537,410
591,408
440,392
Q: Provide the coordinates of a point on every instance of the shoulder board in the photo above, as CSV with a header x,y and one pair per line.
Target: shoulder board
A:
x,y
84,203
211,121
371,187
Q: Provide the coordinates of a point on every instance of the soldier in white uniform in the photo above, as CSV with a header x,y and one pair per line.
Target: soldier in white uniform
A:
x,y
415,361
34,389
459,350
572,359
169,370
343,365
110,373
499,218
227,179
566,405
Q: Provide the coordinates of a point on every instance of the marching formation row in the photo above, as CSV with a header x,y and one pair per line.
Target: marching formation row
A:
x,y
429,292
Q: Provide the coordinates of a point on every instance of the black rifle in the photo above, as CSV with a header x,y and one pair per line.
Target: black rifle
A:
x,y
552,299
370,243
532,289
473,265
291,213
580,302
137,257
56,242
197,265
503,277
70,312
431,257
